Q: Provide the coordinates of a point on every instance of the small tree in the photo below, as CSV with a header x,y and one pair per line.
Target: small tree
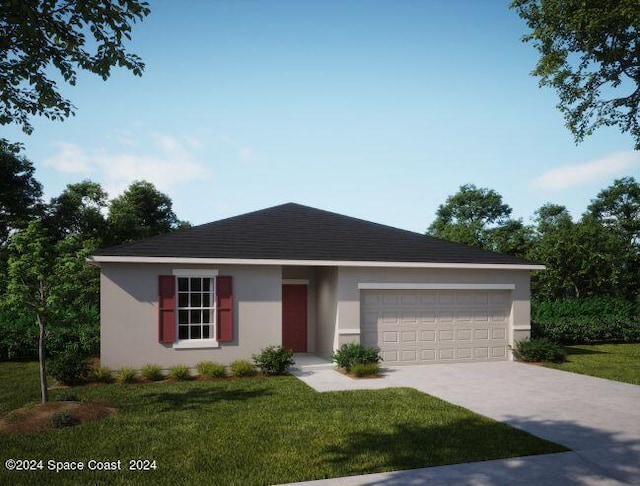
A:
x,y
30,273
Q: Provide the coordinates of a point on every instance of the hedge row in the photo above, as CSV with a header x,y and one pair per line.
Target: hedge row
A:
x,y
19,334
587,320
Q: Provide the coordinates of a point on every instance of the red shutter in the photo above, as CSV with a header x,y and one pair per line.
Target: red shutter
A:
x,y
167,308
225,308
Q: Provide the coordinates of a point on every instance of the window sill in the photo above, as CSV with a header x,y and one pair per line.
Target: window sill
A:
x,y
196,344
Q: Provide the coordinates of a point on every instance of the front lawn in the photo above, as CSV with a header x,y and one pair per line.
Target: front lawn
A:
x,y
619,362
256,431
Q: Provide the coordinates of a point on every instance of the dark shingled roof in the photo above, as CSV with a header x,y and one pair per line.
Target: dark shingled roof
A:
x,y
295,232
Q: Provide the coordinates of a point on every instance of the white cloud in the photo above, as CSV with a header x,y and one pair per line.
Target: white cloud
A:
x,y
615,164
70,158
243,152
165,161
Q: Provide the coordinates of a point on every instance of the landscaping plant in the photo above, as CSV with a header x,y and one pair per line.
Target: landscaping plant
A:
x,y
152,372
211,369
365,369
274,360
126,374
242,367
541,349
351,354
179,373
103,375
69,366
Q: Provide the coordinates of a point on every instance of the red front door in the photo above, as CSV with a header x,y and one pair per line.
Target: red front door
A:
x,y
294,317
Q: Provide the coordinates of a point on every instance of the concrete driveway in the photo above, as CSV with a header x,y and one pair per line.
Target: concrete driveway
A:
x,y
599,420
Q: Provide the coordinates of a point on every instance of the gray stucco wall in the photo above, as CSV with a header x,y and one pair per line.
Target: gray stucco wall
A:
x,y
129,315
327,306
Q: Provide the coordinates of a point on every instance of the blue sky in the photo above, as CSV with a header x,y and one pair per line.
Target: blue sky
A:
x,y
374,109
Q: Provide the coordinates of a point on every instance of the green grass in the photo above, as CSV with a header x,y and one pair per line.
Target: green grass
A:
x,y
255,431
619,362
19,384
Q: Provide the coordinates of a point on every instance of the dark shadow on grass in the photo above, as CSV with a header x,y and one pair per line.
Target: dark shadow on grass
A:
x,y
194,398
571,351
410,451
410,446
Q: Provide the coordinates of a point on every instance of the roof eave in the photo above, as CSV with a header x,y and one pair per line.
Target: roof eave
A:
x,y
99,259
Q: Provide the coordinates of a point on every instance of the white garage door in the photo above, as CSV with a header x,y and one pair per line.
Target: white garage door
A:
x,y
436,326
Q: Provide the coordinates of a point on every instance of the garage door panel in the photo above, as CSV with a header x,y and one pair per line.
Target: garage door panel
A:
x,y
409,355
498,333
428,355
389,336
428,335
409,336
445,335
481,333
412,327
464,334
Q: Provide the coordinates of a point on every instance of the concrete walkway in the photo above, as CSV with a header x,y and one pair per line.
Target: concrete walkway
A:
x,y
599,420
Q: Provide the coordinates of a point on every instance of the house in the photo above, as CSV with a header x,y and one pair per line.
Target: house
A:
x,y
310,280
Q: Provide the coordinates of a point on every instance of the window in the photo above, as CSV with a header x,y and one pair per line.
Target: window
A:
x,y
196,308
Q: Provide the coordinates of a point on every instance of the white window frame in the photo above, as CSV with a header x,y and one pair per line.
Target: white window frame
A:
x,y
197,343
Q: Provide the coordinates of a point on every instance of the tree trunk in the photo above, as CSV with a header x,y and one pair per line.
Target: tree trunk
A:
x,y
44,391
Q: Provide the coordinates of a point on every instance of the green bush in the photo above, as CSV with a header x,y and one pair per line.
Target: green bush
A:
x,y
365,369
152,372
63,419
103,375
274,360
351,354
210,369
69,366
242,367
19,332
179,373
126,374
541,349
18,336
586,320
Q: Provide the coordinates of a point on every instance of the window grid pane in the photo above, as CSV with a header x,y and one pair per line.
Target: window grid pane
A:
x,y
196,307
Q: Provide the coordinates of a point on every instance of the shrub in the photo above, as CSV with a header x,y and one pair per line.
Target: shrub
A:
x,y
274,360
18,336
63,419
103,375
539,350
242,367
126,374
210,369
586,320
179,372
69,366
365,369
351,354
152,372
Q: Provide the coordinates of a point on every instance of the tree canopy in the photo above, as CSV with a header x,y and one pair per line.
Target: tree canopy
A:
x,y
45,40
139,212
20,193
590,54
470,215
597,255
